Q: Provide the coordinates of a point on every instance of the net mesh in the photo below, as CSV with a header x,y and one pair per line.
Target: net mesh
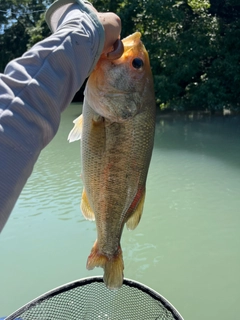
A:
x,y
90,299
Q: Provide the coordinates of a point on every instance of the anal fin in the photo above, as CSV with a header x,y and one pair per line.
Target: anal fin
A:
x,y
136,209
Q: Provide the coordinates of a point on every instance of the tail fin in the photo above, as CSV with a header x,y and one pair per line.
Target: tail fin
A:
x,y
112,266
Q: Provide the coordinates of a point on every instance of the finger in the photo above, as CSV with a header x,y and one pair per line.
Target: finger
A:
x,y
117,50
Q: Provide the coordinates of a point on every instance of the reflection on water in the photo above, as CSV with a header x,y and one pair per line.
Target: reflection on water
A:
x,y
216,137
187,245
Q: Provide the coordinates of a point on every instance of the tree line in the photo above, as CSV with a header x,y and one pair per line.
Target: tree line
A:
x,y
194,45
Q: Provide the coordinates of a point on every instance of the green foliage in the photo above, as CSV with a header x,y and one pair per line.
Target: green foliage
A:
x,y
199,5
193,45
38,32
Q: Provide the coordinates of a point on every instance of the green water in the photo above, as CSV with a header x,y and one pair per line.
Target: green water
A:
x,y
187,245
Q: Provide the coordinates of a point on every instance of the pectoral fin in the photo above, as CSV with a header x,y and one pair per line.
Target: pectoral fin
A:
x,y
76,133
136,210
86,208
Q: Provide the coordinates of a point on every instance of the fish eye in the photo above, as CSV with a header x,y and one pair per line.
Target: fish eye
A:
x,y
137,63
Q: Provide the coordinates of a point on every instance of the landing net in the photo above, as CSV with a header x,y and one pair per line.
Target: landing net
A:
x,y
89,299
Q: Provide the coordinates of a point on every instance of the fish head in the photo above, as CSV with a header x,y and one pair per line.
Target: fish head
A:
x,y
115,87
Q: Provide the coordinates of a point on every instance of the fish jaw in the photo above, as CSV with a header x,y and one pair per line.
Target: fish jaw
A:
x,y
133,41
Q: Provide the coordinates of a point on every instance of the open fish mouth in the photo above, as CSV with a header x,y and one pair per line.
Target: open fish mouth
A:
x,y
131,40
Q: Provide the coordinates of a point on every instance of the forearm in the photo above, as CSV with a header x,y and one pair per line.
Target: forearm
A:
x,y
34,90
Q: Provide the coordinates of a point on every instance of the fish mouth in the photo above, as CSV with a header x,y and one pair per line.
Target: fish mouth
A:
x,y
132,40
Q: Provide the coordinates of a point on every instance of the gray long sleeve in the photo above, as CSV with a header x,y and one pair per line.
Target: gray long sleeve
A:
x,y
35,89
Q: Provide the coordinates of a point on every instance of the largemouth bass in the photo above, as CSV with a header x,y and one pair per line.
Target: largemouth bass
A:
x,y
117,133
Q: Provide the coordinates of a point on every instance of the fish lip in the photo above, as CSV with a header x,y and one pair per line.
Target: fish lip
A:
x,y
132,40
136,36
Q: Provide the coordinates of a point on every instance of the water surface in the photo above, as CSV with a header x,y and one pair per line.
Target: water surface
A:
x,y
187,245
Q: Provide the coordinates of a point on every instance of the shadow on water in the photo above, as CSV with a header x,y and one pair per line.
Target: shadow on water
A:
x,y
213,136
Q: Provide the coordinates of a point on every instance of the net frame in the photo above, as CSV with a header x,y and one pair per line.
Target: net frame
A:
x,y
96,279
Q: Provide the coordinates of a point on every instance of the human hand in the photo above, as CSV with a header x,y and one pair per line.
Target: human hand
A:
x,y
113,47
